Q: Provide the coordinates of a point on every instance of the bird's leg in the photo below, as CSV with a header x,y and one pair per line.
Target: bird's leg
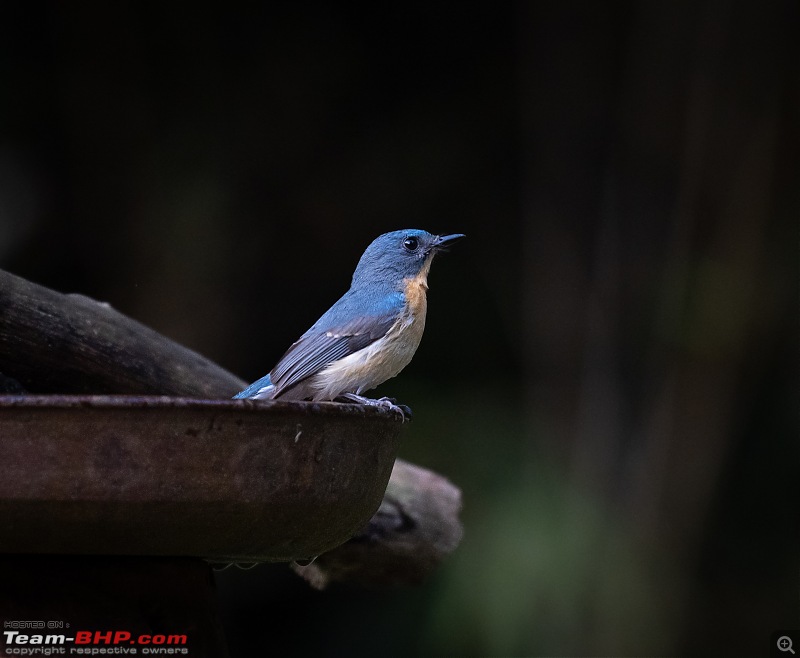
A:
x,y
386,403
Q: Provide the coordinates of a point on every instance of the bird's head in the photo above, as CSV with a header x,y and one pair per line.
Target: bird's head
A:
x,y
393,257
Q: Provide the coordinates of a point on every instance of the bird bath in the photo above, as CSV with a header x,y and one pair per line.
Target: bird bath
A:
x,y
223,480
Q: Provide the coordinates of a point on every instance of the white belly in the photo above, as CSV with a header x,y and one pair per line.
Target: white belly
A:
x,y
374,364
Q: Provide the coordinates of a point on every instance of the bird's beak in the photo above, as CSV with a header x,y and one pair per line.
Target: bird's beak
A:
x,y
444,242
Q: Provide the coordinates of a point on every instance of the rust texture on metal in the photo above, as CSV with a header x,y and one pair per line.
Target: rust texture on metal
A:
x,y
219,479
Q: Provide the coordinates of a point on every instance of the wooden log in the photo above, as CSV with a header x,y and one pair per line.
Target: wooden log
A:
x,y
414,529
56,343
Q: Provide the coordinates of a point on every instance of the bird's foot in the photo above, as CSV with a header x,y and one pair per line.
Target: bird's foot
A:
x,y
390,403
386,403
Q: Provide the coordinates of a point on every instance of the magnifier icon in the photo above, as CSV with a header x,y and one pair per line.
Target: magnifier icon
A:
x,y
785,644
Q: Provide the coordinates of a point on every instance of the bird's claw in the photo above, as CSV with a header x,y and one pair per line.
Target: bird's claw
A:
x,y
385,403
391,405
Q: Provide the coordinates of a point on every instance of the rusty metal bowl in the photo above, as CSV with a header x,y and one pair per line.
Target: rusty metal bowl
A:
x,y
226,480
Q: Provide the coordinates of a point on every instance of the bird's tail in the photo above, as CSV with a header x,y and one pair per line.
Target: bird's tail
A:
x,y
258,390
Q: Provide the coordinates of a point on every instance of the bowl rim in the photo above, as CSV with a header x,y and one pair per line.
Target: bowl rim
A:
x,y
129,401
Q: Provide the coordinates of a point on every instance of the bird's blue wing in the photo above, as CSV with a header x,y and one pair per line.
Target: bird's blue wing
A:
x,y
344,329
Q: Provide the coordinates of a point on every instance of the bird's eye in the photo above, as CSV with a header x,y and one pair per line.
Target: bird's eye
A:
x,y
411,243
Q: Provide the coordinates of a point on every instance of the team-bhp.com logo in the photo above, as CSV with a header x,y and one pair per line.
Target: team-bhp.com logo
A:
x,y
93,643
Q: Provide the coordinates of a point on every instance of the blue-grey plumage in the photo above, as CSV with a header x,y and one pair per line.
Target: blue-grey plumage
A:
x,y
370,334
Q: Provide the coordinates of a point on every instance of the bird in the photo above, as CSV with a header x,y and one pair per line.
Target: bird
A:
x,y
369,335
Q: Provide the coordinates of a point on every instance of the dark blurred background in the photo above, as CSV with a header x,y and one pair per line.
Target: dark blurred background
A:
x,y
610,366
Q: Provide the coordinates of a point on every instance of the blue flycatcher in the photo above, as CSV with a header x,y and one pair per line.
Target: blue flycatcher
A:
x,y
369,335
